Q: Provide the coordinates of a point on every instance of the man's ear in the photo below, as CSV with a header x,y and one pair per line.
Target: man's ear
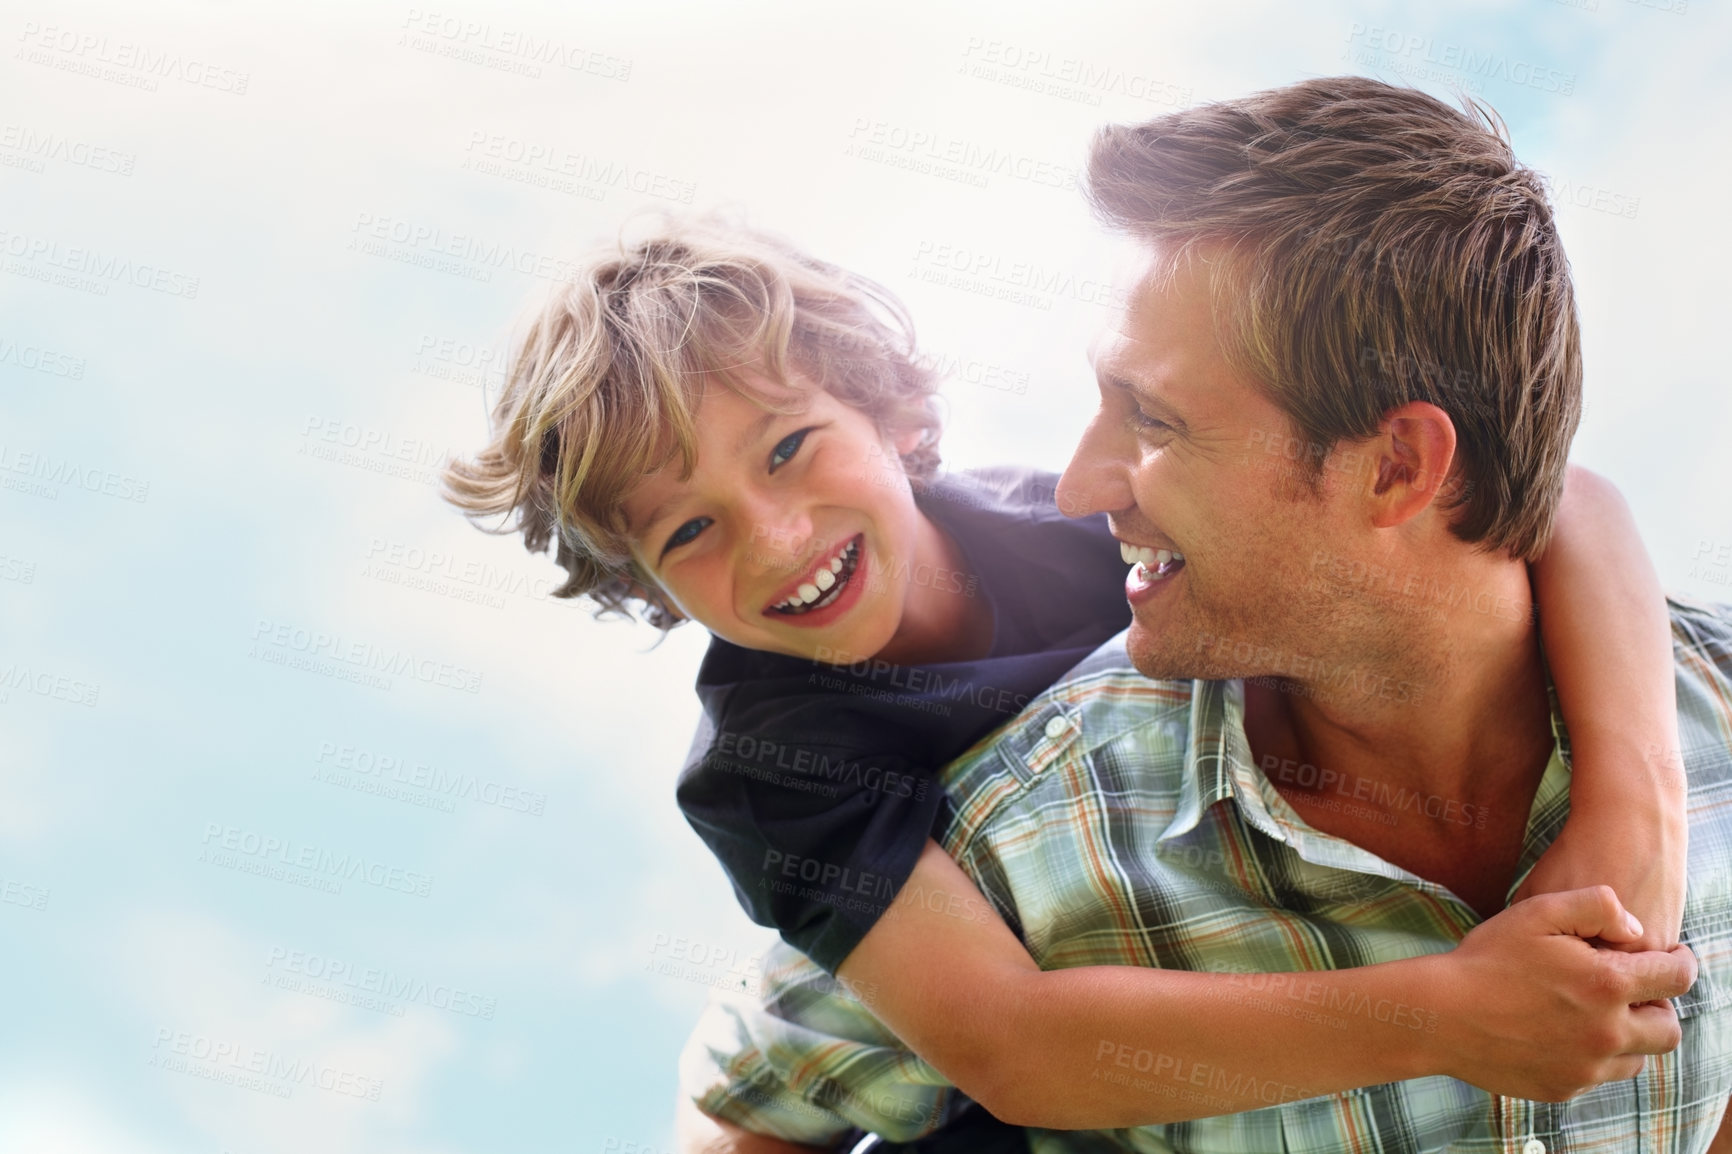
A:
x,y
1410,459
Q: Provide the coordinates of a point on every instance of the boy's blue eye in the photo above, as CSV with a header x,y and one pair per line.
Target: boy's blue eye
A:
x,y
686,533
786,448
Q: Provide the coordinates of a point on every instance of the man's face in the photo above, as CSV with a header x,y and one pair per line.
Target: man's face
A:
x,y
1179,456
780,538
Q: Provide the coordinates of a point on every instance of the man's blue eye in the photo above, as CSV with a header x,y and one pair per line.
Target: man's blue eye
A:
x,y
686,533
786,448
1149,422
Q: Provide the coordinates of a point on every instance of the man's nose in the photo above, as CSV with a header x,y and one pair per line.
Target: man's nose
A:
x,y
1098,478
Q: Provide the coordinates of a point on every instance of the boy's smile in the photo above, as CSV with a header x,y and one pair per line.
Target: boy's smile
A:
x,y
826,586
784,535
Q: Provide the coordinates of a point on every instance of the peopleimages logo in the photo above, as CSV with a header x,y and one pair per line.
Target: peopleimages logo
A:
x,y
37,147
279,641
41,360
470,255
1424,57
20,677
321,976
52,470
103,268
224,842
137,65
446,784
480,42
253,1067
876,139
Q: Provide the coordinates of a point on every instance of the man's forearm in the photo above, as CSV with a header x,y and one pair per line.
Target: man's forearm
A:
x,y
695,1132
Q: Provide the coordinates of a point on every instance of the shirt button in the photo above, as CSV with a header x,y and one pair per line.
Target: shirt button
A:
x,y
1533,1146
1056,726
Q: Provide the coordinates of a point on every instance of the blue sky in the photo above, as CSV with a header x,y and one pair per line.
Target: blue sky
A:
x,y
246,307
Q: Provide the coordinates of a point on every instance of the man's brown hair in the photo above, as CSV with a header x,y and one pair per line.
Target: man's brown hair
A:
x,y
603,387
1375,247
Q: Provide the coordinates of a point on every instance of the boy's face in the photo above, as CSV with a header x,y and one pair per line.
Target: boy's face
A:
x,y
786,520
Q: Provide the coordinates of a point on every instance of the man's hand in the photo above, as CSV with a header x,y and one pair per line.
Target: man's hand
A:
x,y
1534,1011
1642,856
697,1133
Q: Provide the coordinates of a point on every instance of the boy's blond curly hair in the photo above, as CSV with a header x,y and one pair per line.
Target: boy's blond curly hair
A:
x,y
602,388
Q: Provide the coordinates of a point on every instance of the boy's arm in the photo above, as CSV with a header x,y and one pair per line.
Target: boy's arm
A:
x,y
1608,639
1523,1006
697,1133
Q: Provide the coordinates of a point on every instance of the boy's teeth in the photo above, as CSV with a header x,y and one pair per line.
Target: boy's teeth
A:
x,y
823,580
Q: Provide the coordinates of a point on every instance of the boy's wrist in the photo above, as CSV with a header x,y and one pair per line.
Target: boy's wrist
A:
x,y
1436,982
1625,766
1631,820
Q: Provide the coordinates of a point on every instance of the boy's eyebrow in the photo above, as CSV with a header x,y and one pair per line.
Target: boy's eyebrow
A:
x,y
755,431
752,434
656,514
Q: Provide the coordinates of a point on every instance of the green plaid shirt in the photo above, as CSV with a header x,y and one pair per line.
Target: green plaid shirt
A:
x,y
1092,824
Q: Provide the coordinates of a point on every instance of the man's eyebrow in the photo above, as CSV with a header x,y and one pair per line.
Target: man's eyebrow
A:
x,y
1146,397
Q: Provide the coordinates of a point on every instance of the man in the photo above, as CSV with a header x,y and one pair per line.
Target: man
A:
x,y
1362,273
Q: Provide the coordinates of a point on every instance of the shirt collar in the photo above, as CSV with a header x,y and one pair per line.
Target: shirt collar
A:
x,y
1219,765
1215,740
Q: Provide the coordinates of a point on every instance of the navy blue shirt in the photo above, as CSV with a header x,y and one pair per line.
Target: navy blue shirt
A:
x,y
817,787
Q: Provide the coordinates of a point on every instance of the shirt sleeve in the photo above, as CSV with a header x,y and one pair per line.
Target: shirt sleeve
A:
x,y
816,836
806,1061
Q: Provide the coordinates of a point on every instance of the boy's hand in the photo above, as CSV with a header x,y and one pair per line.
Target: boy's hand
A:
x,y
697,1133
1532,1010
1642,856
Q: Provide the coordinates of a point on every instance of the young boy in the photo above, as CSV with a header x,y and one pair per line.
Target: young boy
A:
x,y
719,428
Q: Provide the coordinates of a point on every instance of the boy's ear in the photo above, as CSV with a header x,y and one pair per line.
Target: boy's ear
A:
x,y
648,592
906,440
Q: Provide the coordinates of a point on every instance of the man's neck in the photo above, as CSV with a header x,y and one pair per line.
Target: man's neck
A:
x,y
1450,708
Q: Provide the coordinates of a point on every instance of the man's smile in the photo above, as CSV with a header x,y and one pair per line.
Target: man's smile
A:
x,y
1150,568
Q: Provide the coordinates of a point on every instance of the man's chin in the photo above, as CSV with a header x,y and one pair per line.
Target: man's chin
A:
x,y
1160,653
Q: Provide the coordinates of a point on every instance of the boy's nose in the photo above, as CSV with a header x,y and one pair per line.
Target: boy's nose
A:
x,y
779,539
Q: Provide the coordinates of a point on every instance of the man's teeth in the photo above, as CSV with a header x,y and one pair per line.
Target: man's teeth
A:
x,y
827,577
1148,558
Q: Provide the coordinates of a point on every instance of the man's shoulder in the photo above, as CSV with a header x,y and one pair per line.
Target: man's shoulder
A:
x,y
1703,629
1702,652
1102,701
